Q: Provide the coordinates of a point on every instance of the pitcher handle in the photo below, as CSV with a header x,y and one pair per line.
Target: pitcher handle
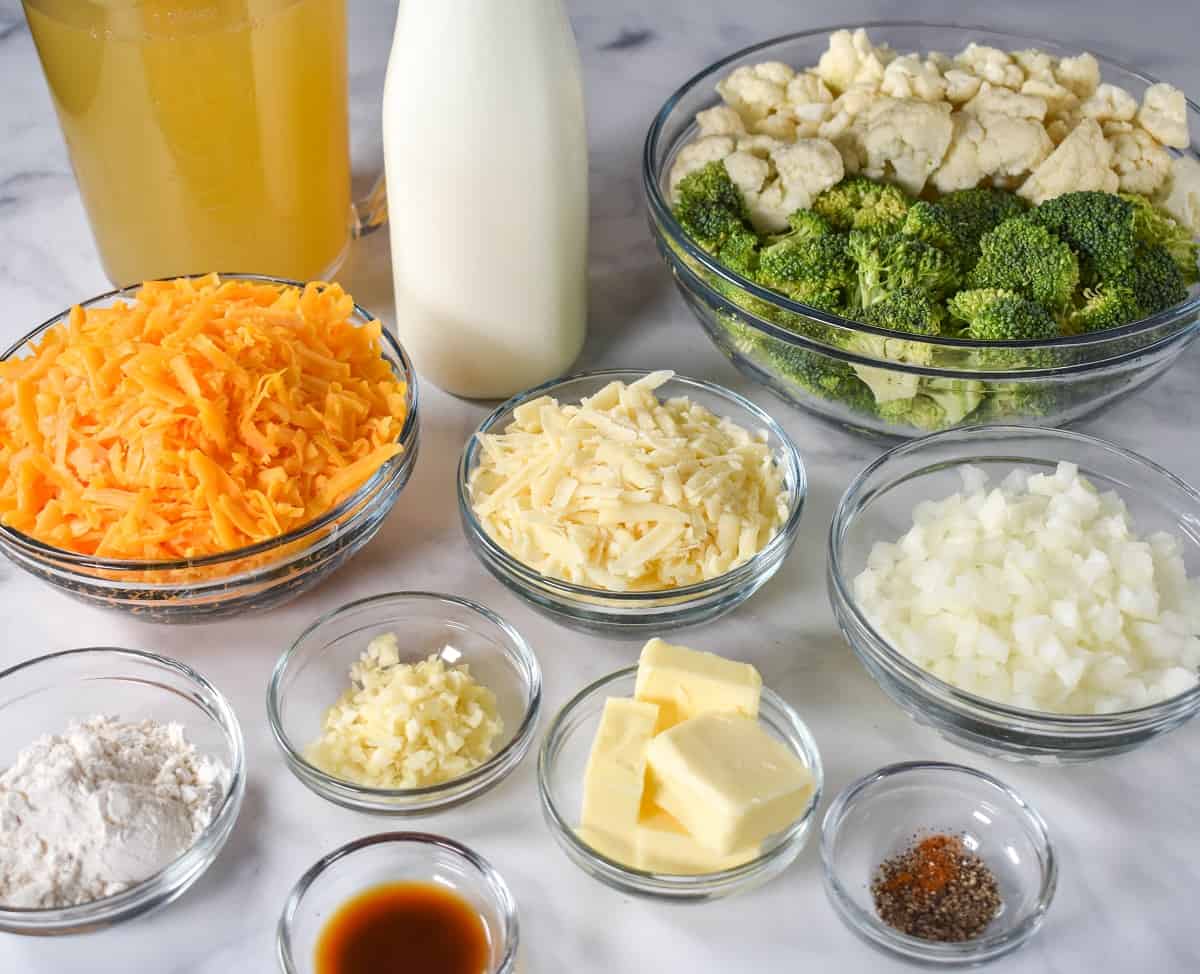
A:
x,y
370,213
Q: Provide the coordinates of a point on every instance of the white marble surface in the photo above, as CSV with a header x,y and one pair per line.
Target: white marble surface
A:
x,y
1125,828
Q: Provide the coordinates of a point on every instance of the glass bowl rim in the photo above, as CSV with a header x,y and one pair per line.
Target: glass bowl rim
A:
x,y
363,793
915,675
661,209
42,551
878,931
672,883
492,878
789,460
218,708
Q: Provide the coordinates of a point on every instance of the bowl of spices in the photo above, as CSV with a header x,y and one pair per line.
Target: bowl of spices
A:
x,y
937,863
405,703
398,901
121,778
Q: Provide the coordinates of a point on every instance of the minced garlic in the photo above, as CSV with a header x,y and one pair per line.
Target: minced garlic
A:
x,y
405,725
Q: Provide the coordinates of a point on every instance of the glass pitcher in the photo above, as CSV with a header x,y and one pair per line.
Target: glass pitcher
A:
x,y
207,134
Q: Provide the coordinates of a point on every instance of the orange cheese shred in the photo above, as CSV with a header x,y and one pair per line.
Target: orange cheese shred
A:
x,y
204,416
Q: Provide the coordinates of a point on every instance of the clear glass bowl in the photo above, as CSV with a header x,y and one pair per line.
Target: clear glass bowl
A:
x,y
314,672
42,695
878,506
563,760
786,346
255,577
638,614
395,857
877,816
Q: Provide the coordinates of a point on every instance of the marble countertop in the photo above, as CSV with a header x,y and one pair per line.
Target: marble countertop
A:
x,y
1124,828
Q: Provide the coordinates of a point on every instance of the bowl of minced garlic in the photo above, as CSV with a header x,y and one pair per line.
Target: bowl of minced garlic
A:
x,y
198,446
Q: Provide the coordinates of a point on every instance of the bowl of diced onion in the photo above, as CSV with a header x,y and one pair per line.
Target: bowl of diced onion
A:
x,y
1030,594
620,518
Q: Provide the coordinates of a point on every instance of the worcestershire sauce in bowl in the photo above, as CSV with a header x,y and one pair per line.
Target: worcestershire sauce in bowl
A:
x,y
404,928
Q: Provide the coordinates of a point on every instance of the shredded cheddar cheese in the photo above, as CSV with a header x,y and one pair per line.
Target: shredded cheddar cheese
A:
x,y
204,416
623,492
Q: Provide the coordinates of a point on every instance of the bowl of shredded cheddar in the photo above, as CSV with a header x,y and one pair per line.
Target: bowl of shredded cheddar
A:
x,y
189,448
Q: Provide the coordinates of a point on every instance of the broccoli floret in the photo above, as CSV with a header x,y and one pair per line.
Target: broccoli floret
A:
x,y
889,261
739,252
958,398
1104,306
957,222
710,207
997,315
1018,400
860,203
1155,279
807,223
1023,256
919,411
907,309
1154,226
1097,225
808,267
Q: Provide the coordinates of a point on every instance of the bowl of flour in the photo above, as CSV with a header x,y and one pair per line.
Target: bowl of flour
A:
x,y
121,777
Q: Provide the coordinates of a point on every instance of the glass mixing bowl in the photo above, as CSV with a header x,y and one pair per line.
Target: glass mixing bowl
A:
x,y
792,348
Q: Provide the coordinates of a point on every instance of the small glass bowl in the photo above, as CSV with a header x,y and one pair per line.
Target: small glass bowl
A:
x,y
637,614
395,857
877,816
563,760
878,506
41,696
313,673
255,577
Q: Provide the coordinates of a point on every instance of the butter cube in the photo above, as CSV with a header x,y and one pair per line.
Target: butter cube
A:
x,y
727,781
662,845
686,683
615,776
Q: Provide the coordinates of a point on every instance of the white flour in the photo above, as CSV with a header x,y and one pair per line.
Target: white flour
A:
x,y
100,807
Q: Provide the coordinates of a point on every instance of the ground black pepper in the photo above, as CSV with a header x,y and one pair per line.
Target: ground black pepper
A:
x,y
936,889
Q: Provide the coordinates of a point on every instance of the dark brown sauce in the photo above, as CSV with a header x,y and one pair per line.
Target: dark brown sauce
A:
x,y
404,928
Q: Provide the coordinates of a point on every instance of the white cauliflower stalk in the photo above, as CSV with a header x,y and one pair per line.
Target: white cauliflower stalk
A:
x,y
906,140
1083,160
1164,115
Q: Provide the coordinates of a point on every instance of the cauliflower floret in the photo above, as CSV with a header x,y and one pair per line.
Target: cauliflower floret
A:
x,y
991,64
961,86
941,63
1059,128
697,155
777,178
992,146
1083,160
1060,100
906,140
852,59
846,126
1108,102
758,93
1112,127
1003,101
910,77
811,102
1164,115
1180,196
1037,65
720,120
1139,161
1081,74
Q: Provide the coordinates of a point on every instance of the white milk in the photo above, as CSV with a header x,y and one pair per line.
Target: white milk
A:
x,y
486,153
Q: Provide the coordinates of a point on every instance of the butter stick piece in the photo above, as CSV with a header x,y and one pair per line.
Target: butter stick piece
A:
x,y
615,777
727,781
686,683
662,845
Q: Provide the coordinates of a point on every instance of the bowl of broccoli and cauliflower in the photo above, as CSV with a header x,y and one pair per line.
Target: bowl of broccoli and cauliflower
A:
x,y
905,242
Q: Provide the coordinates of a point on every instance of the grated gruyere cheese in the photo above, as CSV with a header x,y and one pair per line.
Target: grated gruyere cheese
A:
x,y
625,492
404,725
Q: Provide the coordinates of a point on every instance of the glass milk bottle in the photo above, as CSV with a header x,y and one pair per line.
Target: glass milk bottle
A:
x,y
486,154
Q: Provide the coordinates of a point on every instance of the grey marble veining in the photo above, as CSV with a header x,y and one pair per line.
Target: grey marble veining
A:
x,y
1125,829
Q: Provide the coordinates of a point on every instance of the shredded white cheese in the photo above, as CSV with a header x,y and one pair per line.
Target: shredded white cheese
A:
x,y
623,492
1038,593
404,725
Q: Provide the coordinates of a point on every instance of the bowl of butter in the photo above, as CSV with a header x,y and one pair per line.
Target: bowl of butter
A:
x,y
682,778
